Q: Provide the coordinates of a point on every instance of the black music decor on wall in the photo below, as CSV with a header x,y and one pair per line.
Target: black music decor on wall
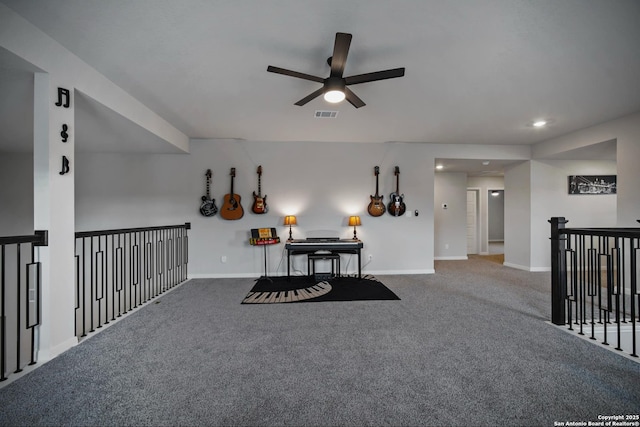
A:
x,y
64,135
63,93
65,165
592,184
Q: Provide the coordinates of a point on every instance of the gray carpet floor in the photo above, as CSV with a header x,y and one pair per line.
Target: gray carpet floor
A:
x,y
465,346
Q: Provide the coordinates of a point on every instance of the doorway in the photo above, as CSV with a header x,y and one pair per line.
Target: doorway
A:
x,y
495,220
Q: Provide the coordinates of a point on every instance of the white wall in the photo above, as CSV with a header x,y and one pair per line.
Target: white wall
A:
x,y
549,198
626,132
16,194
450,225
321,183
517,220
536,191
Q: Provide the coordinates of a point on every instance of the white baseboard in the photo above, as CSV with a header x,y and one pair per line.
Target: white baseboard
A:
x,y
50,353
398,272
526,268
450,258
224,276
539,269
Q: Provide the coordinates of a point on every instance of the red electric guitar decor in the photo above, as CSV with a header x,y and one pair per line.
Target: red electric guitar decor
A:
x,y
259,202
376,206
396,205
231,208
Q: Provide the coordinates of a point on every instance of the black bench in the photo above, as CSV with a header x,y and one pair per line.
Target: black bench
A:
x,y
311,264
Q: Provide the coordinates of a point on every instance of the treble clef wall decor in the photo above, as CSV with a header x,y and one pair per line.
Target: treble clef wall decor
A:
x,y
64,133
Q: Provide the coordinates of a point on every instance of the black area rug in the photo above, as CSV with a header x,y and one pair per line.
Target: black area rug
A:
x,y
306,289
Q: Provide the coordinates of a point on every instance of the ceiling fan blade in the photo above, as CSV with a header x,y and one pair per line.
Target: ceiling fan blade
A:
x,y
340,52
353,98
371,77
310,97
290,73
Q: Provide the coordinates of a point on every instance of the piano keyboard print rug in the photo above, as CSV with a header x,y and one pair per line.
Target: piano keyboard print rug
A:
x,y
306,289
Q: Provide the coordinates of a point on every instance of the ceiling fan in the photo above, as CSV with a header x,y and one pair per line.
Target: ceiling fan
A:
x,y
335,87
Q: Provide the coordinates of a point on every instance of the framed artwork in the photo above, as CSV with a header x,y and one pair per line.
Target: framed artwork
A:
x,y
592,184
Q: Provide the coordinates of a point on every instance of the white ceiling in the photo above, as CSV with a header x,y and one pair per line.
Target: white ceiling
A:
x,y
476,71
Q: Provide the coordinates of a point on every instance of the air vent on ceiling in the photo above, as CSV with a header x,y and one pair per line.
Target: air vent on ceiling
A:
x,y
320,114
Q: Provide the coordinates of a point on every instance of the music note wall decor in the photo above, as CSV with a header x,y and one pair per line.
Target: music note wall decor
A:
x,y
63,93
64,133
65,165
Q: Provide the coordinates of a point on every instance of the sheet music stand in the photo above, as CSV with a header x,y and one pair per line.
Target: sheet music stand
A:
x,y
263,237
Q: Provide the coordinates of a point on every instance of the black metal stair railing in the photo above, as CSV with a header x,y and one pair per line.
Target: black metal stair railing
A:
x,y
119,270
594,282
20,305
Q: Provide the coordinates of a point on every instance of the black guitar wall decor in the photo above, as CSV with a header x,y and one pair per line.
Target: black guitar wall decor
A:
x,y
396,205
208,206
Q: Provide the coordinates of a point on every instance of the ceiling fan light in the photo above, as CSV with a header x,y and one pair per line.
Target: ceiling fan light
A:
x,y
334,96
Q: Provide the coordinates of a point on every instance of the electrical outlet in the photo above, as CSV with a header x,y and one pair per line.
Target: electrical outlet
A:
x,y
370,257
223,259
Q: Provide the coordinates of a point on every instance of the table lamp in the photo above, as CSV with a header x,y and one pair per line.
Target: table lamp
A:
x,y
354,221
290,220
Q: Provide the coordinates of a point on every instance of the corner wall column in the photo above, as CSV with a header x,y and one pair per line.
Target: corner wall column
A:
x,y
54,210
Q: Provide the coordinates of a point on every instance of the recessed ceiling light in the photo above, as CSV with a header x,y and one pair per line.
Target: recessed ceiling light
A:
x,y
439,167
486,162
540,123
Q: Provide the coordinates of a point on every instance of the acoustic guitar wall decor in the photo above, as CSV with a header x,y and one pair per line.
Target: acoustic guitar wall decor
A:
x,y
396,205
208,206
231,208
376,206
259,202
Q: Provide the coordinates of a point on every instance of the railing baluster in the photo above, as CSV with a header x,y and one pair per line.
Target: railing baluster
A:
x,y
18,311
3,324
127,268
596,266
18,288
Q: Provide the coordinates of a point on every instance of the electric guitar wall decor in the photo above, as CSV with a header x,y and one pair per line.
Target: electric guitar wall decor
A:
x,y
259,202
396,205
208,206
376,206
231,208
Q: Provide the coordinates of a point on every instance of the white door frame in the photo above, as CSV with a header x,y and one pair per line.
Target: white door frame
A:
x,y
477,220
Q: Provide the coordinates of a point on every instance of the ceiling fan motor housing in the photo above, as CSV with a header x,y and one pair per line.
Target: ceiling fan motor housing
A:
x,y
334,83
